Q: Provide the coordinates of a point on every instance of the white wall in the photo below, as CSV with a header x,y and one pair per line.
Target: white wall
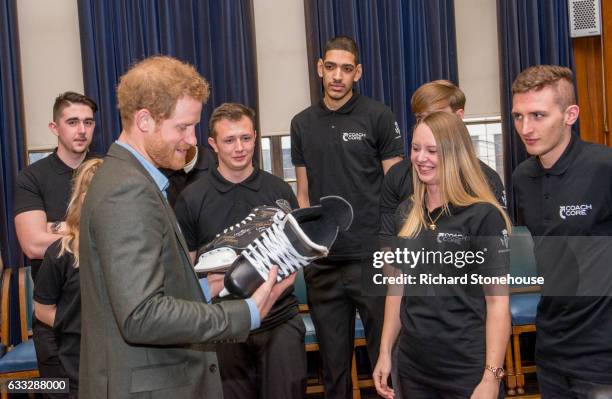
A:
x,y
50,62
477,54
281,63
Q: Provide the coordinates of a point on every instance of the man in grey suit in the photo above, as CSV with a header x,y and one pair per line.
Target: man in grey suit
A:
x,y
147,331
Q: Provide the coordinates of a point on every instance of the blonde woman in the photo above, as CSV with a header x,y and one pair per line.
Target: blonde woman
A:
x,y
57,295
453,334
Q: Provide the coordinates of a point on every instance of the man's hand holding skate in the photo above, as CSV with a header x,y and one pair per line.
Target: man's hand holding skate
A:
x,y
267,293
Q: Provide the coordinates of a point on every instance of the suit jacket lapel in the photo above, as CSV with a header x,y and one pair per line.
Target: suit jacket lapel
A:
x,y
119,152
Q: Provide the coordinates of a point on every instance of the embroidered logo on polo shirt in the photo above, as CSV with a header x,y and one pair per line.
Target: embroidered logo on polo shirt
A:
x,y
353,136
455,238
397,131
505,239
574,210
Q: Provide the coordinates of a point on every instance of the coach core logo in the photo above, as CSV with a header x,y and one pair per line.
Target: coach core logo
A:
x,y
353,136
574,210
455,238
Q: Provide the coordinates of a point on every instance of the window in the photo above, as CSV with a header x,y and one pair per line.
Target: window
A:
x,y
276,158
486,135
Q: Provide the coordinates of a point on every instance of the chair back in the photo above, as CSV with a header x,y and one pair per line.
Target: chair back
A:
x,y
522,258
300,288
26,301
4,305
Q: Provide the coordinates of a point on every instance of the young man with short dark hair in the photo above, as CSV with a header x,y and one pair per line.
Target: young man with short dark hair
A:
x,y
343,146
43,188
272,361
41,200
564,197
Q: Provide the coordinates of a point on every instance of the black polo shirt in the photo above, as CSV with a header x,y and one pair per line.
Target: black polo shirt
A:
x,y
44,186
342,151
211,203
568,209
397,187
59,285
178,179
443,337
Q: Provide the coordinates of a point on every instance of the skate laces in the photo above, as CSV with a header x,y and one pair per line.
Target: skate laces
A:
x,y
239,224
274,247
276,219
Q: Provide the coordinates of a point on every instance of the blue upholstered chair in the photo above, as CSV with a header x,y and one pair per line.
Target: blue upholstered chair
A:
x,y
523,303
312,343
19,361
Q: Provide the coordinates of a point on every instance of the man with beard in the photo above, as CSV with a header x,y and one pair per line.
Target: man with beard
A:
x,y
146,323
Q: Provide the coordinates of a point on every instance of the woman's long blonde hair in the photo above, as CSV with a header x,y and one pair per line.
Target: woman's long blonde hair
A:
x,y
80,184
462,182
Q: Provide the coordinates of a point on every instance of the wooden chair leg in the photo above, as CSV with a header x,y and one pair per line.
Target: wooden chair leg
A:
x,y
520,377
510,374
355,378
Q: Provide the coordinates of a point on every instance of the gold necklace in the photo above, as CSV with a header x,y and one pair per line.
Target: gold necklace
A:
x,y
432,222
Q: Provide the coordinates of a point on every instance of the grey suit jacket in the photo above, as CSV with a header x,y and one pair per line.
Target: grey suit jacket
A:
x,y
146,329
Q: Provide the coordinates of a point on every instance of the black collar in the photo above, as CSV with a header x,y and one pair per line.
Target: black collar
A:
x,y
253,182
59,166
206,158
345,109
565,160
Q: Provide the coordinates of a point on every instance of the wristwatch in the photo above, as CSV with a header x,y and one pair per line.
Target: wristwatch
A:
x,y
498,372
55,227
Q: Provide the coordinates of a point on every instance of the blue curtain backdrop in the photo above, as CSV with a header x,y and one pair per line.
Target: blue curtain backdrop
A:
x,y
217,37
402,44
11,129
531,32
11,147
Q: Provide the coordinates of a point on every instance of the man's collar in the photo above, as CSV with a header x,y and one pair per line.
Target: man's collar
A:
x,y
253,182
347,108
160,180
569,154
60,166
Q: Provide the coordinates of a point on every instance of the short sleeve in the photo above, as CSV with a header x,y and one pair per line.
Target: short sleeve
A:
x,y
290,196
391,195
496,185
28,196
51,275
492,240
388,136
186,220
297,156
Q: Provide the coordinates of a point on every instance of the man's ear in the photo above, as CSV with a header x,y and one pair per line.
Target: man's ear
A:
x,y
213,144
571,114
460,112
358,72
144,121
53,127
320,67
